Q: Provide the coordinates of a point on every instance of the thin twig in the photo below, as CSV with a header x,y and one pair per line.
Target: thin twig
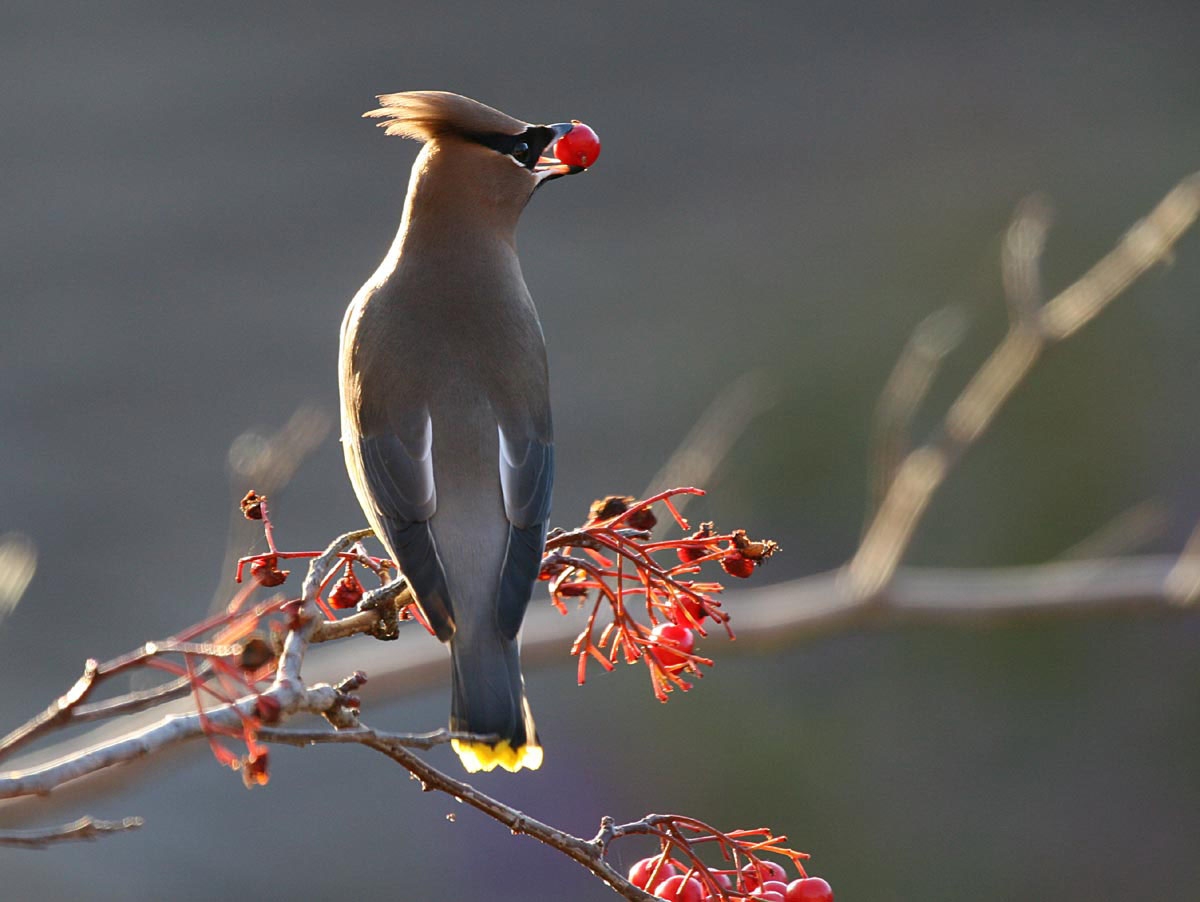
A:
x,y
709,442
910,380
589,854
85,828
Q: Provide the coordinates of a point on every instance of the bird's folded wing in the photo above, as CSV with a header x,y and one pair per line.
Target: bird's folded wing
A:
x,y
398,470
526,480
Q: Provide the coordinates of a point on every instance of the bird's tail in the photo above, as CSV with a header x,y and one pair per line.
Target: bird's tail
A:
x,y
488,699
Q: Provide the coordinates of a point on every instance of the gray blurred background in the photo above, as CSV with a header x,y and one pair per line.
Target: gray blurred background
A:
x,y
190,200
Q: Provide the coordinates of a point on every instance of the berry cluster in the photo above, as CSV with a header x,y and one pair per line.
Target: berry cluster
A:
x,y
614,556
764,881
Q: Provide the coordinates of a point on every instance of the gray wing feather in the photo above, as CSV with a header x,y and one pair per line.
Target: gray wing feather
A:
x,y
526,480
398,470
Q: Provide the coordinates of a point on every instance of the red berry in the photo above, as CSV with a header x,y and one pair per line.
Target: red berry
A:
x,y
754,875
672,635
640,873
774,886
809,889
737,564
578,147
347,592
693,608
680,889
768,895
722,880
689,553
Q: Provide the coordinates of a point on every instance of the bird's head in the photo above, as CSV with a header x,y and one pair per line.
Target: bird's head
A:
x,y
489,160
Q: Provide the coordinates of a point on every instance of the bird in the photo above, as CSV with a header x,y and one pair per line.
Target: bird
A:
x,y
445,403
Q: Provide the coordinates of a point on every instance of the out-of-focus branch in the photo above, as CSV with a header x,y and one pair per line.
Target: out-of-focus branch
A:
x,y
1128,532
924,470
83,828
708,443
872,588
1183,582
18,561
780,614
935,337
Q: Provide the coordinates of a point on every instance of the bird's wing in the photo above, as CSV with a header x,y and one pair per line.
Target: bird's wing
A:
x,y
398,470
526,480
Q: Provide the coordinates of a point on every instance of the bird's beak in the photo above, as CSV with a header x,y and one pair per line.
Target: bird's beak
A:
x,y
548,165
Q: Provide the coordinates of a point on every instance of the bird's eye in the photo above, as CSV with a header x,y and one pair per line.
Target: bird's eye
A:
x,y
521,154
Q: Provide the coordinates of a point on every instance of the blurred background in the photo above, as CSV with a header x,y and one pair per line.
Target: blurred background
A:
x,y
190,200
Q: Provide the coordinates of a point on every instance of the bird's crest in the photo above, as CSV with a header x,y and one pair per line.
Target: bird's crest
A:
x,y
426,115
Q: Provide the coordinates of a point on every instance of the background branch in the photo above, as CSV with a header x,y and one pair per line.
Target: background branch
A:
x,y
83,828
924,470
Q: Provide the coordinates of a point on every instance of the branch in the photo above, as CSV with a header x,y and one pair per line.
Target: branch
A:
x,y
589,854
83,828
1032,329
616,561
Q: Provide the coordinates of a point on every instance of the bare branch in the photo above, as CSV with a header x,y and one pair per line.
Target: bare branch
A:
x,y
924,470
1183,582
83,828
18,562
1020,259
1128,532
589,854
58,712
910,380
708,443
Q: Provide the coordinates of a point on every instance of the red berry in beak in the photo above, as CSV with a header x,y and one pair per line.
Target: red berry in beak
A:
x,y
578,147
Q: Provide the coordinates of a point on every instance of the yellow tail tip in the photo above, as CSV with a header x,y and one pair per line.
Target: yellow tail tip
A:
x,y
477,756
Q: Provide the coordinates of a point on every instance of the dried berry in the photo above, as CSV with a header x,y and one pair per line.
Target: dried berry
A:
x,y
757,551
254,769
255,652
347,592
608,507
267,574
252,505
643,519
